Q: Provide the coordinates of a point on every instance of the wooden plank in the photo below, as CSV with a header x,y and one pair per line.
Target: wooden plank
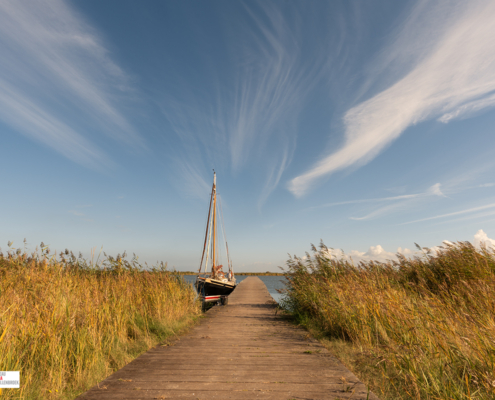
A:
x,y
239,351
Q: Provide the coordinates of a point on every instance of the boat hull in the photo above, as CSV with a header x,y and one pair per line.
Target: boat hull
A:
x,y
213,287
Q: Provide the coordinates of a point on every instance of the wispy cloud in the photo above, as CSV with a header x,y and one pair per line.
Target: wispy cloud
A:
x,y
270,86
275,173
404,202
76,213
468,217
249,115
450,48
193,181
81,215
373,200
58,82
408,202
467,211
124,229
394,202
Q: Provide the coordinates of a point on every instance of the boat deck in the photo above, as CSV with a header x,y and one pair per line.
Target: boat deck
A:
x,y
239,351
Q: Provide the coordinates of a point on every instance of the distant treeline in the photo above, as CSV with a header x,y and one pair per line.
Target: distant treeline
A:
x,y
260,273
238,273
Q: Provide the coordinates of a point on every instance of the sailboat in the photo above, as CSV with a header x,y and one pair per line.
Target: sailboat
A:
x,y
215,285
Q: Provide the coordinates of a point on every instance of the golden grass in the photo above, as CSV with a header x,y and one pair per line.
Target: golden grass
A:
x,y
67,323
421,328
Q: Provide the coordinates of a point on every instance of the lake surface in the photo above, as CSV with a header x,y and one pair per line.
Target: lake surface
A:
x,y
272,283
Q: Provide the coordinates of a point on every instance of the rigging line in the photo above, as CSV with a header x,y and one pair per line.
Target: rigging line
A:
x,y
206,234
208,247
229,261
219,253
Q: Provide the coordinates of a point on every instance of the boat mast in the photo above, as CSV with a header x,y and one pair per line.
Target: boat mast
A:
x,y
214,260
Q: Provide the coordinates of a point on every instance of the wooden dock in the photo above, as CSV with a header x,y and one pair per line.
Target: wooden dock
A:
x,y
239,351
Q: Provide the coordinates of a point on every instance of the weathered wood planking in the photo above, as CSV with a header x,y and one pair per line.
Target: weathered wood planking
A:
x,y
240,351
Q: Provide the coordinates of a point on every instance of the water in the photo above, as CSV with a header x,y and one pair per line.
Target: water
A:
x,y
272,283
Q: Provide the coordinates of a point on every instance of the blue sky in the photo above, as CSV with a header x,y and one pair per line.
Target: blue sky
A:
x,y
367,125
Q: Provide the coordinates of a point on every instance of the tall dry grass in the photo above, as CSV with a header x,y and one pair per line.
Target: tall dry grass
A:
x,y
66,323
424,327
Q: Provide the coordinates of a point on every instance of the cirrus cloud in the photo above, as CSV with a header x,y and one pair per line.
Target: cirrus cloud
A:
x,y
452,52
58,83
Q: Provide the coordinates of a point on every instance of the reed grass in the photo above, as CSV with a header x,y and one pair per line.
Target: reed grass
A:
x,y
66,323
417,328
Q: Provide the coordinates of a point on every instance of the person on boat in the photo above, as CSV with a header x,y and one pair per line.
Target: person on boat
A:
x,y
218,273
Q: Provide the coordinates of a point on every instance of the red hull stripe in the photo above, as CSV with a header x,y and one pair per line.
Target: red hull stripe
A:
x,y
211,297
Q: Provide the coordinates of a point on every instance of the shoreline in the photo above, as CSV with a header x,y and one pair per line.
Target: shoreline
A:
x,y
236,273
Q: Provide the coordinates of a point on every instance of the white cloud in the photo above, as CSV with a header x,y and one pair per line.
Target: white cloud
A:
x,y
378,253
451,50
482,238
435,249
57,81
467,109
374,253
406,252
479,239
435,190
